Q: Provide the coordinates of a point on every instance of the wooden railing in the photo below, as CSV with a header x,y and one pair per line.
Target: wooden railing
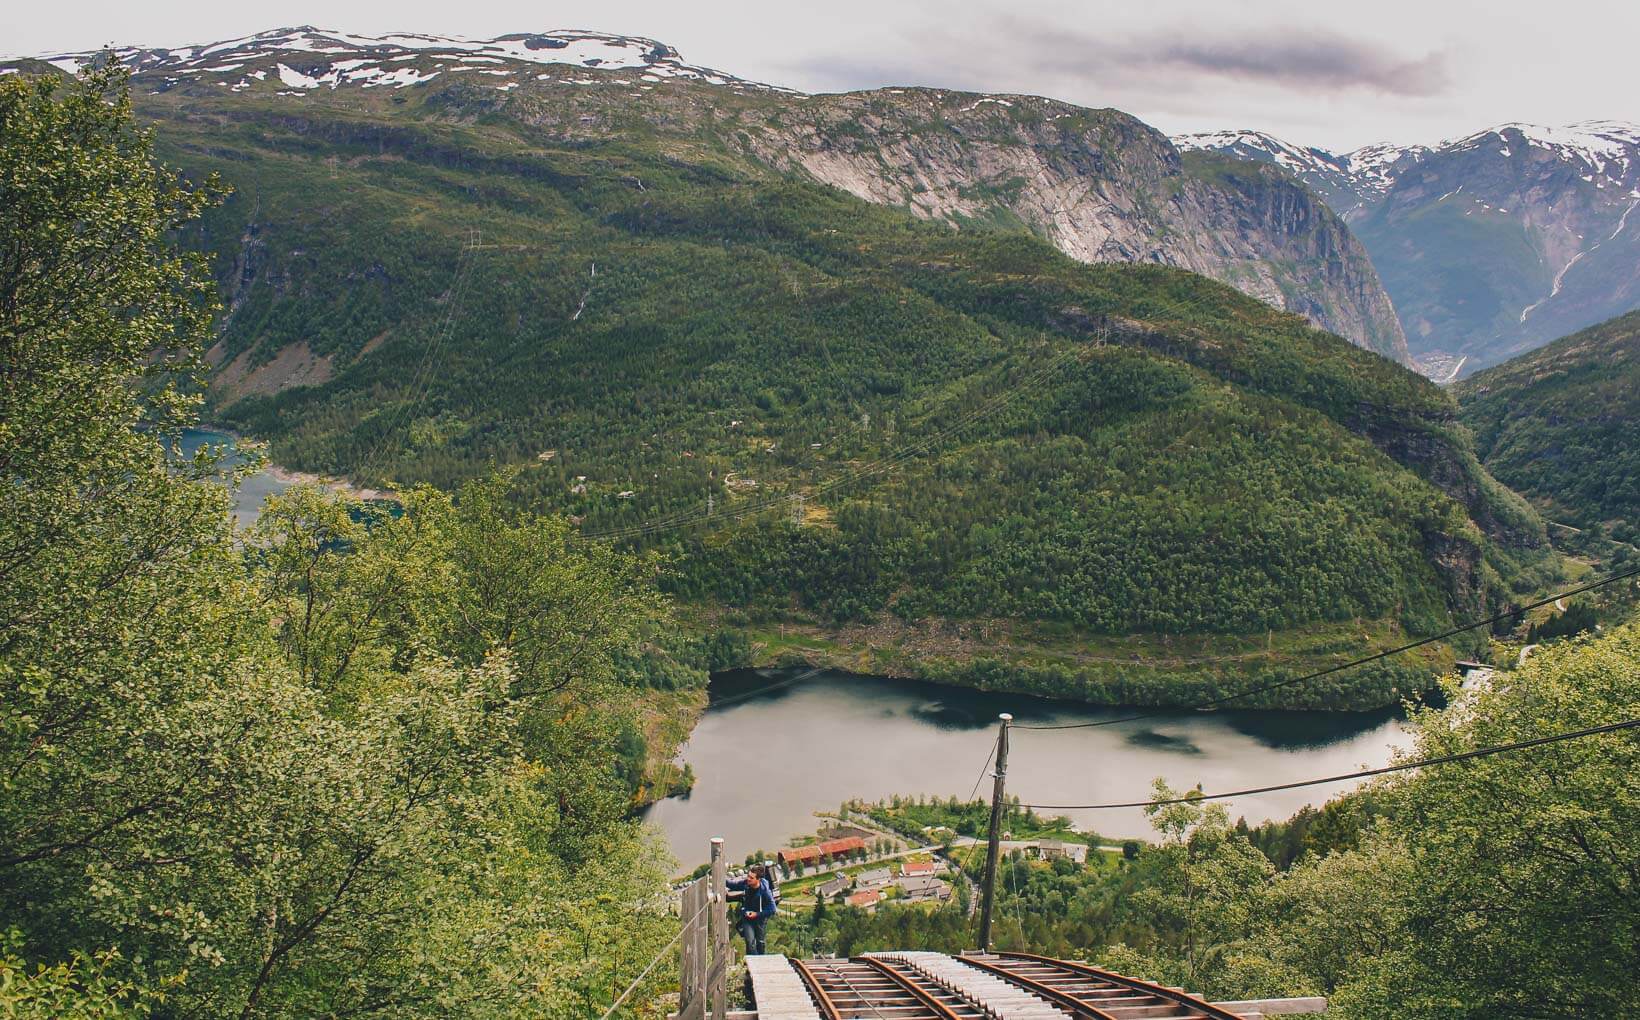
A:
x,y
705,956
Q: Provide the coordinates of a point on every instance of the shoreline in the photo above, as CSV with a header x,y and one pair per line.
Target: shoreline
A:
x,y
291,476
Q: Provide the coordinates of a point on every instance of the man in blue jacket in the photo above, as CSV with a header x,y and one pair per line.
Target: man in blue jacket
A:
x,y
756,907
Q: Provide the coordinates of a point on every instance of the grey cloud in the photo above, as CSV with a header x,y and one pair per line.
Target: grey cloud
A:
x,y
999,54
1315,62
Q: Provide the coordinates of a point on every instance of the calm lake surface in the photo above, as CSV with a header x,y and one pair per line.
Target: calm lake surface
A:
x,y
253,492
765,763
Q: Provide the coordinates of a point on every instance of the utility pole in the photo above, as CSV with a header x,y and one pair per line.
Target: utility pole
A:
x,y
797,509
989,890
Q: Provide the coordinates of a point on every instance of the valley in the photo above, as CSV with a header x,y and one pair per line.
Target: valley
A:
x,y
826,413
632,467
1490,244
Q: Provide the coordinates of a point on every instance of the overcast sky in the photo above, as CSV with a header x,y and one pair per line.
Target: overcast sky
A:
x,y
1312,71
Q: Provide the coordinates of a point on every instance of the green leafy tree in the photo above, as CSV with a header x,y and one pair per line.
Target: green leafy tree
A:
x,y
1204,886
347,763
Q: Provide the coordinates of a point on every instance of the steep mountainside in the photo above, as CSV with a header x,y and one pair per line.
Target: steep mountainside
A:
x,y
946,453
1491,244
1562,424
1099,185
1351,182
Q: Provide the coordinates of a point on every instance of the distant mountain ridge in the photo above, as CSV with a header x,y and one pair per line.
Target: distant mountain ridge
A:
x,y
1098,184
1490,244
368,55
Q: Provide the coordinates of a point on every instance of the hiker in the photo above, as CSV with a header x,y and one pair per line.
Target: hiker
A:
x,y
756,907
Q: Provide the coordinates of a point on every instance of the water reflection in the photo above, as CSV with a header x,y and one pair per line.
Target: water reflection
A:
x,y
1153,738
767,759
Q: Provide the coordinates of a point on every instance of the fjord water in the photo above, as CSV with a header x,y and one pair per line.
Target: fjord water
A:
x,y
253,491
765,763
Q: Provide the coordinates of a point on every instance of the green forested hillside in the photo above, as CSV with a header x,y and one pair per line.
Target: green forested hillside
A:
x,y
1562,424
980,428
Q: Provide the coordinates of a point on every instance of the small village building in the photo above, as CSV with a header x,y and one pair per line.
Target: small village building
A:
x,y
875,876
917,890
843,830
867,898
1053,849
816,853
916,869
836,887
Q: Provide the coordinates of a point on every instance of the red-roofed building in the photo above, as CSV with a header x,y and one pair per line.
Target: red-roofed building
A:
x,y
917,868
864,898
815,853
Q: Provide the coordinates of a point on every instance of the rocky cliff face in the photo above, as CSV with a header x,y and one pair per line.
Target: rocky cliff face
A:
x,y
1500,242
1491,244
1098,184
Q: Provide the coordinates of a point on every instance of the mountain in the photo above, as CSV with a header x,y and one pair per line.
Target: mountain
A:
x,y
1490,244
1350,183
914,449
1562,424
1098,184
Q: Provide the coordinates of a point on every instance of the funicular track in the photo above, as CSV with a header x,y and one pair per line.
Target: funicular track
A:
x,y
1087,991
865,988
873,988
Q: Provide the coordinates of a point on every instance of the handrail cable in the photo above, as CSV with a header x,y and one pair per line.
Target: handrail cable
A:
x,y
1376,656
1401,767
660,953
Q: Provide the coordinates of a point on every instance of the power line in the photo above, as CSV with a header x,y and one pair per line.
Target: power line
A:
x,y
1441,760
1376,656
983,769
421,382
778,685
683,519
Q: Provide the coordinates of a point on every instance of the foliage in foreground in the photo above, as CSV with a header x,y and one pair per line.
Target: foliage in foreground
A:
x,y
343,764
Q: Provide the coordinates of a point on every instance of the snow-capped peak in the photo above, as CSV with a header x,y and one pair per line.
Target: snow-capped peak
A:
x,y
332,58
1257,144
1346,180
1610,148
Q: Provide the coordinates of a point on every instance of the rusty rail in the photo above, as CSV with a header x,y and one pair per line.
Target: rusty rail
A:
x,y
1084,970
917,992
1078,1007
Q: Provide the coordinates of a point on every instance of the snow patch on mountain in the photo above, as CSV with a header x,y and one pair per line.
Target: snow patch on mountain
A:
x,y
329,58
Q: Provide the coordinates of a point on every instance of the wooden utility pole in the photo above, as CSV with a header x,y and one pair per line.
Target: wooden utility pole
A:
x,y
989,888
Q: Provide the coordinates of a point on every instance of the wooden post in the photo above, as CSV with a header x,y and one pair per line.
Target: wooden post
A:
x,y
988,892
717,976
692,963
